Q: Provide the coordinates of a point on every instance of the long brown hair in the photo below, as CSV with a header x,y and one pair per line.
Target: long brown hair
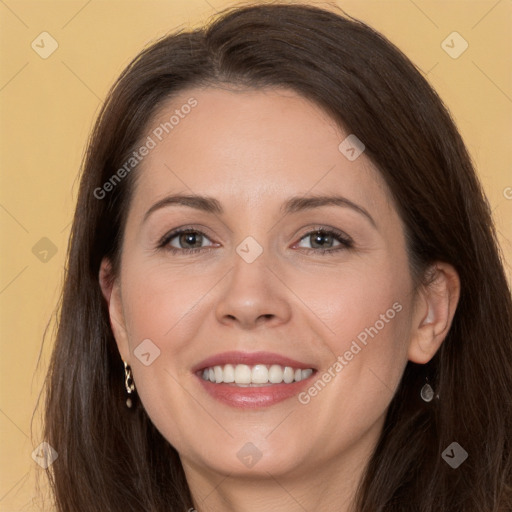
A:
x,y
113,459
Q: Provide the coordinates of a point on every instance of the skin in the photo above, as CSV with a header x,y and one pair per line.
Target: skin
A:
x,y
252,150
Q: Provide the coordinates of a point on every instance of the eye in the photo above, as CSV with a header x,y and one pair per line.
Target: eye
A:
x,y
322,240
183,240
189,240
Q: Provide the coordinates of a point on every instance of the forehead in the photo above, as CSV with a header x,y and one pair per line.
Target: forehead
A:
x,y
250,146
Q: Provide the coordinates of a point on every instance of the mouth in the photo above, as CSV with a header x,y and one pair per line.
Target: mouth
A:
x,y
253,380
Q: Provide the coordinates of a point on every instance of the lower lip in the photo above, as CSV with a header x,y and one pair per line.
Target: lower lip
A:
x,y
254,397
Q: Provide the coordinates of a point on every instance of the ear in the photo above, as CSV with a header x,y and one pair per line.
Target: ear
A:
x,y
111,290
434,310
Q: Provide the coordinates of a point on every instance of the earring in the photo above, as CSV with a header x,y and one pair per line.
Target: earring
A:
x,y
427,393
129,384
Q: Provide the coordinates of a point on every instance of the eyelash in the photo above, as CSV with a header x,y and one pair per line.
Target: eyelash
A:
x,y
345,241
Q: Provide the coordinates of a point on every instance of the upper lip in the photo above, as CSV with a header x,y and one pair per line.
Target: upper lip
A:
x,y
249,358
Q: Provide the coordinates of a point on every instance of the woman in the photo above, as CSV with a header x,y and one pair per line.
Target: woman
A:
x,y
338,333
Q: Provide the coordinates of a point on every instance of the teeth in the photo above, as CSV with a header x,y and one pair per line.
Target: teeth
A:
x,y
288,375
257,375
306,373
242,374
275,374
229,373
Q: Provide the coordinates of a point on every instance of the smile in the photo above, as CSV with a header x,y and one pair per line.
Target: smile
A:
x,y
252,380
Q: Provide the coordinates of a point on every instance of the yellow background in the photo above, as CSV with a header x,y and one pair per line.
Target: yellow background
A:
x,y
48,107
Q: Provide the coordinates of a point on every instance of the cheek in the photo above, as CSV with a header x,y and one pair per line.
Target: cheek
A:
x,y
362,300
365,319
370,314
162,304
370,332
159,302
161,308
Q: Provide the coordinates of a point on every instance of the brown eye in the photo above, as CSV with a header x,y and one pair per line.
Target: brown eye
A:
x,y
193,238
184,241
321,239
326,241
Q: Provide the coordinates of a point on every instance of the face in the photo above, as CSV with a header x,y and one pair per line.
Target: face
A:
x,y
313,294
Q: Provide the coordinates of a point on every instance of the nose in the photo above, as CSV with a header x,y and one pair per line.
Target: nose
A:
x,y
253,296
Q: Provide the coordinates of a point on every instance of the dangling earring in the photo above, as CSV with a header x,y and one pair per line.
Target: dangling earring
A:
x,y
427,393
129,384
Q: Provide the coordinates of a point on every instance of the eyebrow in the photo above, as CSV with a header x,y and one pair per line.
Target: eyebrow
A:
x,y
292,205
